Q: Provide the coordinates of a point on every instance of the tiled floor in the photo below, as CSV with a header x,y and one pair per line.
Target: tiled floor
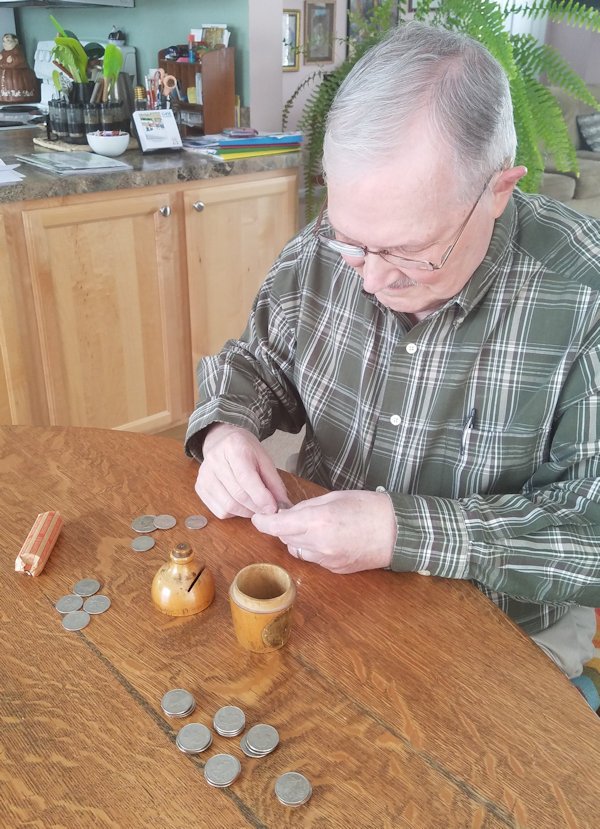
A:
x,y
280,446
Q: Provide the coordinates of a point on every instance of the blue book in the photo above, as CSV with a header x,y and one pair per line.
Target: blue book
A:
x,y
263,138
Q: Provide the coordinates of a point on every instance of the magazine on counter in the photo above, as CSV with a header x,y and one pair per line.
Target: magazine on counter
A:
x,y
69,164
157,130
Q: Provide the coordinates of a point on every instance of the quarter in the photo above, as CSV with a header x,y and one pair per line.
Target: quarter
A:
x,y
143,524
76,620
142,543
293,789
262,739
193,738
66,604
164,522
178,703
221,770
96,604
86,587
229,721
195,522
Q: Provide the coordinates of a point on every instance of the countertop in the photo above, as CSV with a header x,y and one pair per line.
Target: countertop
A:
x,y
147,170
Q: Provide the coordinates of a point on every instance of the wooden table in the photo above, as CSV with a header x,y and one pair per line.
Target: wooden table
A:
x,y
407,701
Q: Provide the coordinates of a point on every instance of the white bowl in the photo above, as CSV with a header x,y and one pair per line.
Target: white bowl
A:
x,y
108,143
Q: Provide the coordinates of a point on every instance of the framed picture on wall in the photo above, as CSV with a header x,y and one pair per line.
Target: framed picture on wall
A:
x,y
290,60
319,31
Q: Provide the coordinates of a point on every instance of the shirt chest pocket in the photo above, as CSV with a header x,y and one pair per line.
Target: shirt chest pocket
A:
x,y
488,459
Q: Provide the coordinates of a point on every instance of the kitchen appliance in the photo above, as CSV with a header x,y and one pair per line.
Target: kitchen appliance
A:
x,y
44,67
50,4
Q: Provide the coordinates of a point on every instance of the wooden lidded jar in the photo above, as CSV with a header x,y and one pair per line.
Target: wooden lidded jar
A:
x,y
182,586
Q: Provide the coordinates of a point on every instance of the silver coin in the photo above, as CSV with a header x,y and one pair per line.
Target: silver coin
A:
x,y
247,750
193,738
229,721
86,587
142,543
96,604
76,620
262,738
67,604
195,522
143,524
178,703
221,770
293,789
164,522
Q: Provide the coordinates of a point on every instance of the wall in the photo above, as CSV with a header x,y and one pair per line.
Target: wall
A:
x,y
150,26
581,48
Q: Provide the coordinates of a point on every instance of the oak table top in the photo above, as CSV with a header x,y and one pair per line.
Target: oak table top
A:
x,y
407,701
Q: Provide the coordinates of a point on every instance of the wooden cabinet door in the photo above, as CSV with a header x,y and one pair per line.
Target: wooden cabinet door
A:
x,y
111,310
234,229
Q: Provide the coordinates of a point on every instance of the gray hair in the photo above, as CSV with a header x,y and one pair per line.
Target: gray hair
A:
x,y
450,77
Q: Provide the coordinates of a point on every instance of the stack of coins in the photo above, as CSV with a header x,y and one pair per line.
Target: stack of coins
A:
x,y
221,770
76,612
293,789
229,721
193,738
178,703
261,740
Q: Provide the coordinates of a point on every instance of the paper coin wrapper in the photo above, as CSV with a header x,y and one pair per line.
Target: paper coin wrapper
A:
x,y
38,545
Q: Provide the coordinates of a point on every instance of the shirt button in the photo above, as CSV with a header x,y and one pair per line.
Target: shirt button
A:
x,y
411,348
395,420
380,488
423,572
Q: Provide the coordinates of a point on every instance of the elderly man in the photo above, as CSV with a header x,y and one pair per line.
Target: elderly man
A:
x,y
438,333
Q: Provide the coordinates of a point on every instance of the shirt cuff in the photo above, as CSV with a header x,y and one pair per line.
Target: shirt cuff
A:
x,y
432,536
216,412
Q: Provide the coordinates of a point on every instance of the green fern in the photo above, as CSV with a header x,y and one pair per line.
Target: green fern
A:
x,y
541,130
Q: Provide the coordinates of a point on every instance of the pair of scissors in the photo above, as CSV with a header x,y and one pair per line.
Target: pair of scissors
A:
x,y
164,83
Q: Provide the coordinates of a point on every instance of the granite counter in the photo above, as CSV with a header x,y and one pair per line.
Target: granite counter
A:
x,y
146,170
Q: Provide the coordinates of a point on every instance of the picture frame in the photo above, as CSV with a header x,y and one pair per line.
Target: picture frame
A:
x,y
319,31
290,59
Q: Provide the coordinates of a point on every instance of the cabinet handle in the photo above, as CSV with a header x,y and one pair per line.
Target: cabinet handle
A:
x,y
165,211
199,206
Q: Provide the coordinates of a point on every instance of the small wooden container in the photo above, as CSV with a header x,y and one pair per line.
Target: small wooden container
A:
x,y
182,586
261,598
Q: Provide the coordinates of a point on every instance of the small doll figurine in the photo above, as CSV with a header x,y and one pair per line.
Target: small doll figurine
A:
x,y
18,83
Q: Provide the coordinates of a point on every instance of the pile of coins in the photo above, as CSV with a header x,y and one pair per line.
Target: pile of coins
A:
x,y
145,524
221,770
75,611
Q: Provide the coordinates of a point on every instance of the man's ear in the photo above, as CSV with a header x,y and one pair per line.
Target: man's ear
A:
x,y
503,187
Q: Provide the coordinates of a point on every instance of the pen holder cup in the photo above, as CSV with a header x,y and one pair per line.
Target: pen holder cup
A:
x,y
76,127
57,119
261,598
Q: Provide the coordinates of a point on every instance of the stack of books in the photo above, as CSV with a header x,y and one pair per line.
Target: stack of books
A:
x,y
232,145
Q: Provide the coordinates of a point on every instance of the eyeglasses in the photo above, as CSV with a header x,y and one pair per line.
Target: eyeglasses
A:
x,y
360,251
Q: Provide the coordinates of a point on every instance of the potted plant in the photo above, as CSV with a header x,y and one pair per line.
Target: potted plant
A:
x,y
539,122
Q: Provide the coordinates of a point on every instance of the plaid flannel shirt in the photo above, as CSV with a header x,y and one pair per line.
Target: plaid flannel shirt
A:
x,y
481,421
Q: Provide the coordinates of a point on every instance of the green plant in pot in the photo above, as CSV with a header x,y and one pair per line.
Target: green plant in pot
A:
x,y
539,122
74,60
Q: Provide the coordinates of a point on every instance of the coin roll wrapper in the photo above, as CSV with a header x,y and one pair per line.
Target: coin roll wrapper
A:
x,y
38,545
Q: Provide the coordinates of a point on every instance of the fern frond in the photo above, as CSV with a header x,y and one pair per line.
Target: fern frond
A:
x,y
552,132
528,151
571,12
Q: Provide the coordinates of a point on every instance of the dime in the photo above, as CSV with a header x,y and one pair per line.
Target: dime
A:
x,y
86,587
178,703
143,524
193,738
66,604
262,739
96,604
293,789
195,522
142,543
164,522
229,721
76,620
221,770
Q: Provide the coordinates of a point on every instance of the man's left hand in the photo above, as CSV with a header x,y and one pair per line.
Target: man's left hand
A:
x,y
343,531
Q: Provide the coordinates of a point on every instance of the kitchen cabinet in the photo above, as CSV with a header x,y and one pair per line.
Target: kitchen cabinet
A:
x,y
110,298
234,230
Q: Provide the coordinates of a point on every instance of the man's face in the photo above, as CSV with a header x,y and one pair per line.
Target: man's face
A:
x,y
412,206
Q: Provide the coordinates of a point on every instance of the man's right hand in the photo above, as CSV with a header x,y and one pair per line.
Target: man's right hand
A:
x,y
237,476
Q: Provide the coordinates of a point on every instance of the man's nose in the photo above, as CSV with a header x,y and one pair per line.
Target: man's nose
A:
x,y
375,273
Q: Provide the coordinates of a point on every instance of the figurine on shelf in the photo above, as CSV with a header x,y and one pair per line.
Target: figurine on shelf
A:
x,y
18,83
